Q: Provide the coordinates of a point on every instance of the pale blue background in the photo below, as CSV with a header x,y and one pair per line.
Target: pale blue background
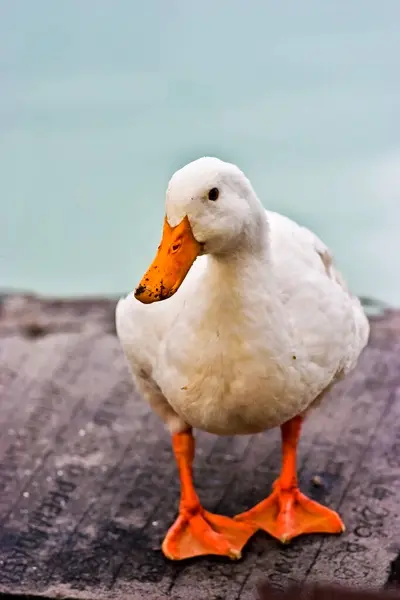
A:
x,y
100,101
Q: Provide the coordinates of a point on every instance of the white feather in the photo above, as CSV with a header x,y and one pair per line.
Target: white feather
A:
x,y
261,326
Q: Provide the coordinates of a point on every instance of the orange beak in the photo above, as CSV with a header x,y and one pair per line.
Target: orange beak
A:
x,y
176,254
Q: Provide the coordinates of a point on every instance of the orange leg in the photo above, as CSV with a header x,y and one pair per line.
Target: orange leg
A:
x,y
196,531
287,513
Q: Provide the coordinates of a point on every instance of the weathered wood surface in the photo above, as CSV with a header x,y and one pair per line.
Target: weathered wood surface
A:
x,y
88,486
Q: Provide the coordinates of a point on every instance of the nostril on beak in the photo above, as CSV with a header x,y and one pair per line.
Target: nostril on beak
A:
x,y
176,245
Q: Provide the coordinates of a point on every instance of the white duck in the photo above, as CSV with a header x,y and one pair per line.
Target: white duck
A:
x,y
263,324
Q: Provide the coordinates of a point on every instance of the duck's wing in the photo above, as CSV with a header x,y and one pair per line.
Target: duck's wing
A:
x,y
325,315
295,245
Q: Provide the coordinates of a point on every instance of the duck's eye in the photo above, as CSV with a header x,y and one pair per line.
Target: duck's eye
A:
x,y
213,194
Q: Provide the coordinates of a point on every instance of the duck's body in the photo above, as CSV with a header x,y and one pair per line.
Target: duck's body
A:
x,y
261,326
250,343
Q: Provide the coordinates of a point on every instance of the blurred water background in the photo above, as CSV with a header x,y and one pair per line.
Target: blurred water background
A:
x,y
101,101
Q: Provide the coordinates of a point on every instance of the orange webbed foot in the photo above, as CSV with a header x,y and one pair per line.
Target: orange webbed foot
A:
x,y
286,514
197,532
203,533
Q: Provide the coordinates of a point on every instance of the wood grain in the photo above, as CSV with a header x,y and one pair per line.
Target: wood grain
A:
x,y
88,486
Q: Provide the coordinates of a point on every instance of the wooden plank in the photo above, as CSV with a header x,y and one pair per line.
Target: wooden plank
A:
x,y
88,486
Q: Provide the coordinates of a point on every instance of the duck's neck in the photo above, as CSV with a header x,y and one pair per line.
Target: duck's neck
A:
x,y
242,280
236,303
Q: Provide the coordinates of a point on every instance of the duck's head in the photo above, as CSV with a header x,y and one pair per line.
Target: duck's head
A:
x,y
211,208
